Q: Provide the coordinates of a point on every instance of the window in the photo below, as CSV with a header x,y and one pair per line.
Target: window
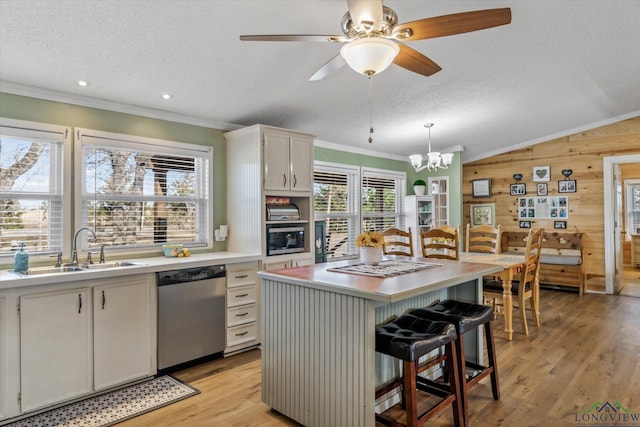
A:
x,y
31,187
382,197
335,202
350,199
633,207
140,193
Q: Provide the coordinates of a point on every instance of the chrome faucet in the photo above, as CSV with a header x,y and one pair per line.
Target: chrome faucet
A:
x,y
74,252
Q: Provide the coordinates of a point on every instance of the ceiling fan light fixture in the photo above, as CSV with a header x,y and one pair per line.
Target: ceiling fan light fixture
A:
x,y
369,55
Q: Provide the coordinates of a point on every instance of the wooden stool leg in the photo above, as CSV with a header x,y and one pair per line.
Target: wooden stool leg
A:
x,y
409,392
491,353
457,383
461,365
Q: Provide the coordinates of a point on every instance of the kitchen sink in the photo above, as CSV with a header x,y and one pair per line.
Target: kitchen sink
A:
x,y
35,271
113,264
48,270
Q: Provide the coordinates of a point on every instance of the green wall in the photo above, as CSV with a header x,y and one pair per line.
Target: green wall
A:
x,y
58,113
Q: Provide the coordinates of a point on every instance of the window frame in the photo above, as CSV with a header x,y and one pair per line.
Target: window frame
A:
x,y
131,142
355,197
62,183
400,179
628,208
353,204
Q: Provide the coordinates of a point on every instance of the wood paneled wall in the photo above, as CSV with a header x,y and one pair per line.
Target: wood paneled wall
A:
x,y
583,153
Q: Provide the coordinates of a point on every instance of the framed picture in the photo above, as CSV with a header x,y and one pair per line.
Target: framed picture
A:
x,y
560,225
518,189
483,214
541,189
567,186
525,224
541,173
481,187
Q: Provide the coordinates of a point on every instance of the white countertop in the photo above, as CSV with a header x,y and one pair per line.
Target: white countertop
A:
x,y
9,279
382,289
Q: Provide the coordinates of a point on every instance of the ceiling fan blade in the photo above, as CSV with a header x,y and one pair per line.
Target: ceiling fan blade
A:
x,y
294,38
333,65
414,61
448,25
366,13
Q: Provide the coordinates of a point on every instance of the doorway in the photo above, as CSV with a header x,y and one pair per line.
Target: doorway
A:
x,y
615,275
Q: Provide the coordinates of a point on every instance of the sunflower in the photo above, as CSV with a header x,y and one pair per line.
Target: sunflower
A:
x,y
370,239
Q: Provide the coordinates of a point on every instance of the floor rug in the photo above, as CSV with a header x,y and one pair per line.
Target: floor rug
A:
x,y
114,407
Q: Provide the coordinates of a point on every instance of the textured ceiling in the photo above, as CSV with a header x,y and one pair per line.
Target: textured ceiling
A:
x,y
559,67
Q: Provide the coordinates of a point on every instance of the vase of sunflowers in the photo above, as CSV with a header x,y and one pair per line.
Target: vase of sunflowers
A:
x,y
370,244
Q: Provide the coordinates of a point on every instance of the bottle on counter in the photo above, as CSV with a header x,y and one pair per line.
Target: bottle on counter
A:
x,y
21,259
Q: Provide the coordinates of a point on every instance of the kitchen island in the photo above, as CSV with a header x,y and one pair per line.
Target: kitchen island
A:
x,y
319,365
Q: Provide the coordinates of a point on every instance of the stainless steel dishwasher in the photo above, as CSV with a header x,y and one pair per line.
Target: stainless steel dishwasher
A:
x,y
191,315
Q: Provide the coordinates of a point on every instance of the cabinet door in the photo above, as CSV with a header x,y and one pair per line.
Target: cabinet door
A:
x,y
276,162
3,357
122,331
301,164
55,347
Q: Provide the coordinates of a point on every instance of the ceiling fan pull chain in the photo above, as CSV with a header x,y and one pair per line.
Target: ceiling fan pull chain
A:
x,y
370,110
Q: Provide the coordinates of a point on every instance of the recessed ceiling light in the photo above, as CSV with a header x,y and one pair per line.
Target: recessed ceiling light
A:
x,y
82,83
166,96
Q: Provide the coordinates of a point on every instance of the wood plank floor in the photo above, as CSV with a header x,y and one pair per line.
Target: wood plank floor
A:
x,y
587,350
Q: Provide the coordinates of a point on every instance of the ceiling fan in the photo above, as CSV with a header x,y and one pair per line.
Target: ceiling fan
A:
x,y
374,39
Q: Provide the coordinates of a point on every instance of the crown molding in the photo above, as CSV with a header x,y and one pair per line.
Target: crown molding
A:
x,y
86,101
553,136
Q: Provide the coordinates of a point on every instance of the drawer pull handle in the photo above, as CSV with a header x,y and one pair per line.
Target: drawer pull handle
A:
x,y
242,277
241,314
241,334
242,295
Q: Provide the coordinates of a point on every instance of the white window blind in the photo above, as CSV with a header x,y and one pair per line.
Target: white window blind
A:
x,y
31,187
138,193
633,207
382,197
334,189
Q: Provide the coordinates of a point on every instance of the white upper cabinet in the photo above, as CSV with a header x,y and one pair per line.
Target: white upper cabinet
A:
x,y
287,162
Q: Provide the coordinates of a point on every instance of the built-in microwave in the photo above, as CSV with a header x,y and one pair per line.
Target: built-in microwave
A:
x,y
284,239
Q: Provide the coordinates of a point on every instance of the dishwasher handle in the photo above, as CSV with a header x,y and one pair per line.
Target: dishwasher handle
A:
x,y
173,277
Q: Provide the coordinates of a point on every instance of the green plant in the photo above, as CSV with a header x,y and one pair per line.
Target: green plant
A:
x,y
419,182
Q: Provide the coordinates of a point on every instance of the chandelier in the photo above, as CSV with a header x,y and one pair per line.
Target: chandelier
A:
x,y
435,160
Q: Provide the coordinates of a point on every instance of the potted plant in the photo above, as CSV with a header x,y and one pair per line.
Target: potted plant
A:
x,y
370,244
419,187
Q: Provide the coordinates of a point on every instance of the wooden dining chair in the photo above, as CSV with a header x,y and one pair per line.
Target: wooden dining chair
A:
x,y
397,242
441,242
483,238
527,286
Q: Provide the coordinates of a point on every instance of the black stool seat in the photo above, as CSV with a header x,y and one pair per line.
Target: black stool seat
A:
x,y
410,337
466,316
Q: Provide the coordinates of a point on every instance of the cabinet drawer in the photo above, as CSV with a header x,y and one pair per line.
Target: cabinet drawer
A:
x,y
242,314
242,334
241,296
241,278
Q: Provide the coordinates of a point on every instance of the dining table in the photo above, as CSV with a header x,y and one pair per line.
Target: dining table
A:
x,y
511,265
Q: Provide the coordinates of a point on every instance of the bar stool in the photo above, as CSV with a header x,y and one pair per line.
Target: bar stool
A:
x,y
466,317
408,338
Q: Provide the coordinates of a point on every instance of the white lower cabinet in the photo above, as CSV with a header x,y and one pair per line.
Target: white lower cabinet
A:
x,y
243,307
55,347
62,342
286,263
3,359
122,331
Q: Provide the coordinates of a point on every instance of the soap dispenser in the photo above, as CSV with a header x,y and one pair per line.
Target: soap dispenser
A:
x,y
21,260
